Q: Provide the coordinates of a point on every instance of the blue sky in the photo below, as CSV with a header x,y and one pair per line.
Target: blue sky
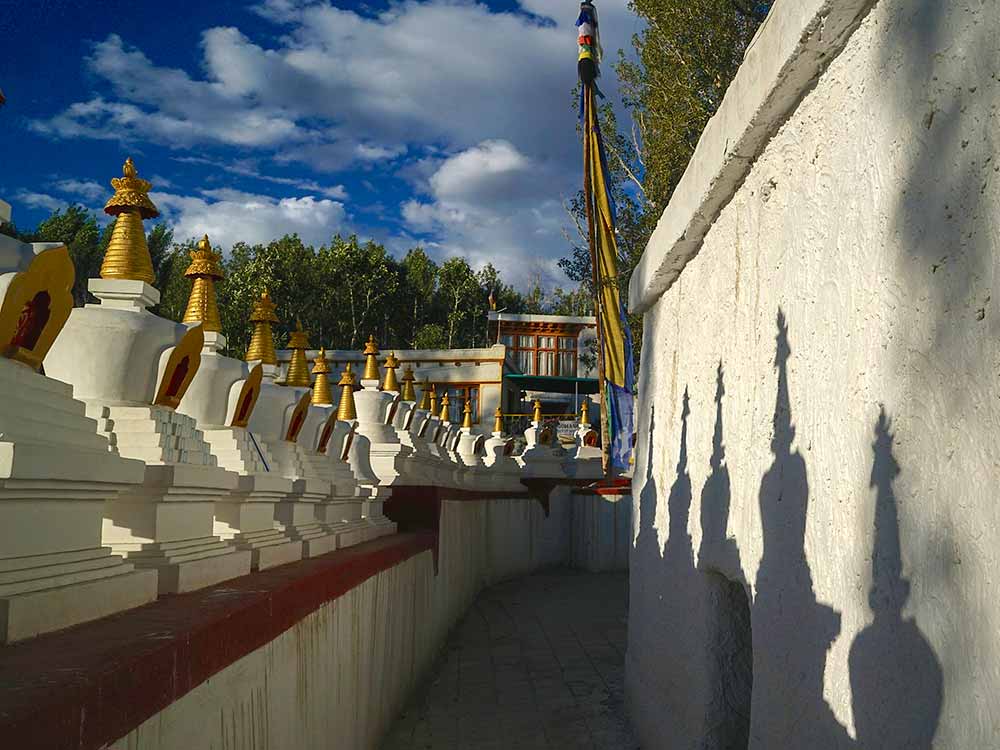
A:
x,y
444,124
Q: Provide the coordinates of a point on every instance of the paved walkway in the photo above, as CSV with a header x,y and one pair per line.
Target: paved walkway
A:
x,y
537,663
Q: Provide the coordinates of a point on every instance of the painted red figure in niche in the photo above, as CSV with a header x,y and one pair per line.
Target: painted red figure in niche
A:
x,y
177,379
325,438
295,426
32,321
241,413
590,439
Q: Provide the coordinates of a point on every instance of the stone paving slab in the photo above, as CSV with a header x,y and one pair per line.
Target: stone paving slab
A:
x,y
537,664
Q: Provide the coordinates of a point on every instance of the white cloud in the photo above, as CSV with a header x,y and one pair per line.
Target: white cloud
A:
x,y
366,152
40,200
251,168
88,189
342,86
469,108
492,203
229,216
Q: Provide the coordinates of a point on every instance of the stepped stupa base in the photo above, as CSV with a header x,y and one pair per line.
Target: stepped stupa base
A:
x,y
246,520
269,549
343,519
300,525
42,593
192,564
379,524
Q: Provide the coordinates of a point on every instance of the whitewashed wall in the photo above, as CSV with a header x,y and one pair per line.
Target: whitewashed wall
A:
x,y
871,224
339,678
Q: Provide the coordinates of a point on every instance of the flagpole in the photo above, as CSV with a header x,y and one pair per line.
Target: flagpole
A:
x,y
588,103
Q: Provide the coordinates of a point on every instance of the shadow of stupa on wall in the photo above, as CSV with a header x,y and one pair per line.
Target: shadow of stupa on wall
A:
x,y
896,680
792,630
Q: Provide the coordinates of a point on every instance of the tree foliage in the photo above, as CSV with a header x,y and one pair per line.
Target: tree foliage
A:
x,y
342,292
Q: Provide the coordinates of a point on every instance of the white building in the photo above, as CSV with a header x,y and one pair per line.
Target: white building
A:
x,y
548,357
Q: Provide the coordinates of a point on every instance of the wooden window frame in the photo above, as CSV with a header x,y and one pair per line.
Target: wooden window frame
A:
x,y
537,349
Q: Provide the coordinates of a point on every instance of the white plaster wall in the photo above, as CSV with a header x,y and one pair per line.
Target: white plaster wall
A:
x,y
601,533
339,678
872,222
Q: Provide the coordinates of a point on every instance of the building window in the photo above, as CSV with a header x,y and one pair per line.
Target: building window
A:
x,y
567,356
526,360
457,394
543,355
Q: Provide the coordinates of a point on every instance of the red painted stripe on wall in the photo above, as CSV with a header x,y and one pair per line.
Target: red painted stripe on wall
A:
x,y
86,686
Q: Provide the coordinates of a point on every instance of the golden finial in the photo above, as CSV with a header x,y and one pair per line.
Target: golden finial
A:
x,y
467,414
371,360
408,393
262,341
537,417
205,268
127,256
433,401
444,407
321,389
585,413
498,421
391,363
425,397
345,410
298,368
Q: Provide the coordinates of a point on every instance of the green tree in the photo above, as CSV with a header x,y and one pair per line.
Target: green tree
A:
x,y
505,297
431,336
363,280
461,295
160,242
175,288
77,228
286,269
418,289
685,58
576,302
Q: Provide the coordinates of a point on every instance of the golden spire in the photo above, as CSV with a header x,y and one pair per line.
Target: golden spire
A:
x,y
425,397
391,363
433,402
321,389
467,414
345,410
498,421
408,393
127,256
205,268
444,407
537,417
585,413
371,360
262,342
298,369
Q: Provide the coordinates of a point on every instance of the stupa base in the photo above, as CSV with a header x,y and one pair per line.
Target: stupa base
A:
x,y
192,564
269,548
42,593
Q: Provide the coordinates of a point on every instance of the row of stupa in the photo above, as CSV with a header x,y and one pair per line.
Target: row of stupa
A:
x,y
145,462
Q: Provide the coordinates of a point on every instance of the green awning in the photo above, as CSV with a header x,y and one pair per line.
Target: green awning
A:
x,y
553,384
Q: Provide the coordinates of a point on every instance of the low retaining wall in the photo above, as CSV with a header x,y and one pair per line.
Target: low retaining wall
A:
x,y
316,654
602,529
